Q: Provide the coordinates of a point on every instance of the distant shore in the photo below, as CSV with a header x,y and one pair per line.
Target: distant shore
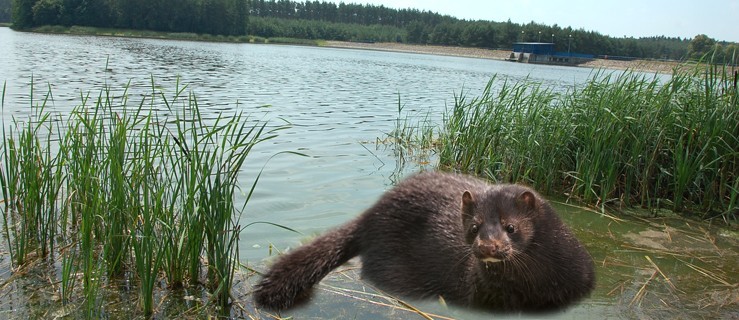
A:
x,y
637,65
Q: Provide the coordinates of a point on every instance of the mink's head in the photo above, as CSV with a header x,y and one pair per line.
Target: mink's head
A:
x,y
499,222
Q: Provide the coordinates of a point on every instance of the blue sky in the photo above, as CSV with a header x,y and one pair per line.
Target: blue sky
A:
x,y
719,19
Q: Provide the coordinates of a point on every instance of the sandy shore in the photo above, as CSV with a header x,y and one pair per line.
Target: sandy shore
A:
x,y
640,65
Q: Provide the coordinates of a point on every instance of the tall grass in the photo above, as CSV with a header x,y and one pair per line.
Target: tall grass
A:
x,y
33,178
412,136
117,191
628,139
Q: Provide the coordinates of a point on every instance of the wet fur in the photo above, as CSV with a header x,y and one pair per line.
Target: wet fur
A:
x,y
428,236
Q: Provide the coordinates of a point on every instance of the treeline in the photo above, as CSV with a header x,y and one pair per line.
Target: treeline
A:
x,y
226,17
313,29
343,13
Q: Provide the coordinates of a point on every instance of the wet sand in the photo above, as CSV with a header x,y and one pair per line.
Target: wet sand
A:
x,y
638,65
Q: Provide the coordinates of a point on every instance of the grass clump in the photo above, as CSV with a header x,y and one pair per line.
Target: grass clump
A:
x,y
625,140
127,193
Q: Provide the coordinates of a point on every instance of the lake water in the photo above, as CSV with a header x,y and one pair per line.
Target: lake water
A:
x,y
339,101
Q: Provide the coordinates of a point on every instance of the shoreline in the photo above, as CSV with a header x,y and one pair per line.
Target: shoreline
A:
x,y
643,65
666,67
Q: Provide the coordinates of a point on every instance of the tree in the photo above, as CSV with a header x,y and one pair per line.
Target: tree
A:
x,y
5,13
700,46
22,13
46,12
731,54
416,32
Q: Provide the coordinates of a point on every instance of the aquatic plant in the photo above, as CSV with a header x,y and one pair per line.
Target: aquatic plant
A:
x,y
627,139
119,190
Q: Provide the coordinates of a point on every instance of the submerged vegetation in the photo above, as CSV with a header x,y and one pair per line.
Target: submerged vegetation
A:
x,y
138,193
618,140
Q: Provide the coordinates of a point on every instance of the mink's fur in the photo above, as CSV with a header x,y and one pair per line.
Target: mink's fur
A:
x,y
499,247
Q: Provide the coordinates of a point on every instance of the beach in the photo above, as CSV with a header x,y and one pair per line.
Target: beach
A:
x,y
637,65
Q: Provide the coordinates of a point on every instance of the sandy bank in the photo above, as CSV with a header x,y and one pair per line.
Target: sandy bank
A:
x,y
640,65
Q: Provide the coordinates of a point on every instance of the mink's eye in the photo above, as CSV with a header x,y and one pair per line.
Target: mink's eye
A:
x,y
474,228
510,228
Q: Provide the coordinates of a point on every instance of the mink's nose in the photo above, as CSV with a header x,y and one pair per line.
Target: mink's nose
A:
x,y
492,251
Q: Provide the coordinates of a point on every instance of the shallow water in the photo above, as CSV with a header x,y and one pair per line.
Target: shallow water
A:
x,y
338,102
658,268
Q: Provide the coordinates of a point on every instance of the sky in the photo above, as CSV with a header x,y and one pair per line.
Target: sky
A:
x,y
718,19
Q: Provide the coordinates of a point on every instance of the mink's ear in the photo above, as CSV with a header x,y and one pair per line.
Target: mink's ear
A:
x,y
527,200
468,204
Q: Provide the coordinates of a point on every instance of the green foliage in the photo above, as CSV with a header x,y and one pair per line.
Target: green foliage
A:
x,y
47,12
120,191
315,30
5,11
707,49
221,17
700,46
22,13
305,42
626,140
224,17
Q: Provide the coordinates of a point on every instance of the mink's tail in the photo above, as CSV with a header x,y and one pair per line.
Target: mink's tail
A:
x,y
291,278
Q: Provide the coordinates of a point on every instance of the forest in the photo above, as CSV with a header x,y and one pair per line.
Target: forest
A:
x,y
321,20
218,17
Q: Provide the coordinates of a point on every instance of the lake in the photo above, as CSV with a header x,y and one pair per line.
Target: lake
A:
x,y
338,103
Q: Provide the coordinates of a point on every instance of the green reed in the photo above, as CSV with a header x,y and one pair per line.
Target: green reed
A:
x,y
86,194
31,177
127,192
411,138
120,211
628,139
184,235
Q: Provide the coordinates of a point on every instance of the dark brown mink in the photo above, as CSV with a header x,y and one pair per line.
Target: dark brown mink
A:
x,y
498,247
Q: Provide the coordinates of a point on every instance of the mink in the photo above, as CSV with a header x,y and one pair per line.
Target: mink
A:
x,y
498,247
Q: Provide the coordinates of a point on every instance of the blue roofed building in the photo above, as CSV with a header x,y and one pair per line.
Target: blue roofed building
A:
x,y
543,52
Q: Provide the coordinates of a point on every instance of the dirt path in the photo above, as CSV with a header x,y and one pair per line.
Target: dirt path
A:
x,y
641,65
